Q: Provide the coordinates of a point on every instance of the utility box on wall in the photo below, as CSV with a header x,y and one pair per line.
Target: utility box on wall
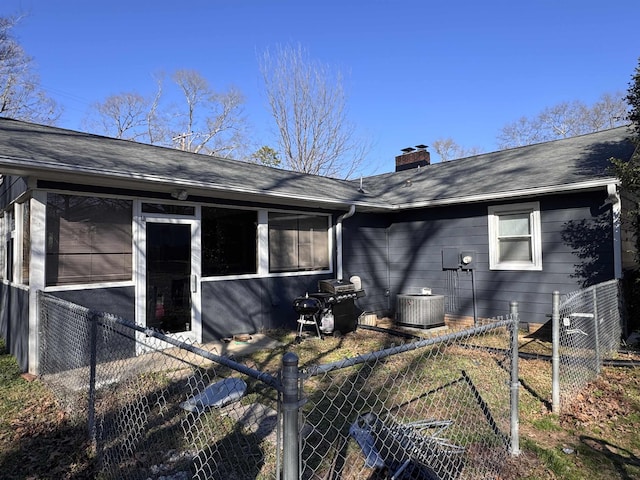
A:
x,y
453,259
450,258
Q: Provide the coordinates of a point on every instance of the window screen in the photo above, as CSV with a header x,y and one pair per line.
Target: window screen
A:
x,y
26,241
229,241
88,239
298,242
515,237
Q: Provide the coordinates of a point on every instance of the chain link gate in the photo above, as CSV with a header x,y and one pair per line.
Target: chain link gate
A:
x,y
438,408
587,327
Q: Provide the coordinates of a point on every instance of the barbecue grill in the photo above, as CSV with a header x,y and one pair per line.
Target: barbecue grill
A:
x,y
309,309
331,310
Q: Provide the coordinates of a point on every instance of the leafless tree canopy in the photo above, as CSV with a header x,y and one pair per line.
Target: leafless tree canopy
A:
x,y
448,149
203,121
121,116
212,121
308,103
21,96
567,119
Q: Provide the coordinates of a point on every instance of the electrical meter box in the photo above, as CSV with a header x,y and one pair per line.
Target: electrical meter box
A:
x,y
468,260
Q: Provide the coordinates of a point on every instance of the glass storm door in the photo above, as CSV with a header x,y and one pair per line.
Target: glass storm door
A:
x,y
169,278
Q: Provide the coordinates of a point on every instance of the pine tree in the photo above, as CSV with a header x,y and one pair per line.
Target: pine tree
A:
x,y
629,174
633,98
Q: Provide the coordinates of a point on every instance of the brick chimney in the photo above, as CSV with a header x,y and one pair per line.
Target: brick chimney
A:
x,y
413,158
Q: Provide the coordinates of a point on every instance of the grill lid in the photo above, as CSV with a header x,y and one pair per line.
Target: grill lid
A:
x,y
307,305
336,286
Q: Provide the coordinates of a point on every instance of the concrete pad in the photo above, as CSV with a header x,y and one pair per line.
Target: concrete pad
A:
x,y
238,348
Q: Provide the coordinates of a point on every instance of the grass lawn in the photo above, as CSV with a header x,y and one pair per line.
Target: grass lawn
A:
x,y
37,439
596,438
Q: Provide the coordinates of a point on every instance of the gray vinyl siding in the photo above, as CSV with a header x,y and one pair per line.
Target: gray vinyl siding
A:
x,y
417,241
11,188
366,254
577,250
14,322
118,301
231,307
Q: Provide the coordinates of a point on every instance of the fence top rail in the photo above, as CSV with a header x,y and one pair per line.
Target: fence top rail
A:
x,y
108,319
314,370
568,297
48,297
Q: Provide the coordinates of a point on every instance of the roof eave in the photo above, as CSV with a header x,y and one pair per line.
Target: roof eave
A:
x,y
510,195
58,172
26,167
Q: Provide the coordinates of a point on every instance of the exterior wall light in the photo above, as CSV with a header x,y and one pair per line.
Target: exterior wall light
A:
x,y
180,194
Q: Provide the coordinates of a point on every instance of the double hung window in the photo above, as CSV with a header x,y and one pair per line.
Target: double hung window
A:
x,y
514,237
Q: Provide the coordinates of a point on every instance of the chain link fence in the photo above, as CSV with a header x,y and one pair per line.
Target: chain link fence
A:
x,y
157,407
587,328
437,408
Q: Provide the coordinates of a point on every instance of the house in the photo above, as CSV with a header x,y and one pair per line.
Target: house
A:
x,y
207,247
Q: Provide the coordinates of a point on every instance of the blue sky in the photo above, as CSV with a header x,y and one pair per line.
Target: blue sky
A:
x,y
416,70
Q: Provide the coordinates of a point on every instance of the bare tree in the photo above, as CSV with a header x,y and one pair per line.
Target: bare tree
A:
x,y
21,96
156,130
448,149
206,122
219,129
308,103
566,119
124,115
610,111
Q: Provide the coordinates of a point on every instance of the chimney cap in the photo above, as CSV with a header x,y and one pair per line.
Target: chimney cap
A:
x,y
421,146
408,149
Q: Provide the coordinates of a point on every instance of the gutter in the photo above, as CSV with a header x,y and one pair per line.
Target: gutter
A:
x,y
352,210
40,169
498,196
24,167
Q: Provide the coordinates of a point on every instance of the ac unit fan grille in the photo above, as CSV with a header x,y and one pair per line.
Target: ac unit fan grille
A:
x,y
420,310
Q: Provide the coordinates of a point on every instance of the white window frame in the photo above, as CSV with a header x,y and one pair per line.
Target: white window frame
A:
x,y
494,212
263,247
302,271
9,237
91,284
139,237
5,235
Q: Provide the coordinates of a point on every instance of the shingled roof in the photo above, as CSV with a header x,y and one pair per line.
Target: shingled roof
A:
x,y
70,156
561,165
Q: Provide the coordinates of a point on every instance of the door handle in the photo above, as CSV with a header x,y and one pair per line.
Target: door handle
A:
x,y
194,283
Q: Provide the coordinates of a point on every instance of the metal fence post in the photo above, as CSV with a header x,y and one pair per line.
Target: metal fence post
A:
x,y
290,405
515,381
93,359
596,332
555,352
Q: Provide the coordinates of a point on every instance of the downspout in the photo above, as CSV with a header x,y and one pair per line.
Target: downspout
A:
x,y
616,210
352,210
